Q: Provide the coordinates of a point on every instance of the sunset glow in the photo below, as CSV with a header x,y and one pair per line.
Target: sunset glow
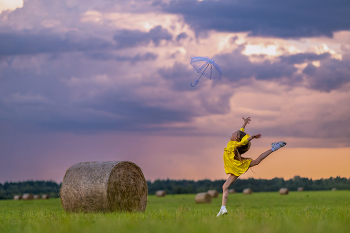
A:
x,y
110,80
10,5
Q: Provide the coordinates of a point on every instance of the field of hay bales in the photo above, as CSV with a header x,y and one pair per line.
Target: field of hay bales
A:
x,y
317,211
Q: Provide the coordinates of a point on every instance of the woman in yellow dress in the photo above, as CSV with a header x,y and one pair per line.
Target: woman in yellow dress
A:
x,y
235,164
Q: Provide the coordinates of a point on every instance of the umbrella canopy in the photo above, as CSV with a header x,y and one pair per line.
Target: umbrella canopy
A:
x,y
206,67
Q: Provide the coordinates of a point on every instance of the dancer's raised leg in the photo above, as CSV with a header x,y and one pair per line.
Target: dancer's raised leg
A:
x,y
275,146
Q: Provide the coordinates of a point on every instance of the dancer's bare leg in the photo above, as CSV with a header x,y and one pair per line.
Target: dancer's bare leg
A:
x,y
275,146
260,158
230,180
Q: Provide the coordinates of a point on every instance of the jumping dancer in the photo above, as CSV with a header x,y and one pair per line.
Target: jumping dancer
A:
x,y
235,164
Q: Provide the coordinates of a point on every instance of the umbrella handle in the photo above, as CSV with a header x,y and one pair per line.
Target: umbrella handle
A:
x,y
195,83
199,77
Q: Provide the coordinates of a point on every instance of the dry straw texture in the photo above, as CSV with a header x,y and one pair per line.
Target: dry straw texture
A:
x,y
231,191
203,198
247,191
213,193
17,197
27,196
300,189
160,193
104,187
284,191
36,196
45,196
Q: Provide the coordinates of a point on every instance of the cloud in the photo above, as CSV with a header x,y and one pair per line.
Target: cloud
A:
x,y
271,18
181,36
179,76
19,43
131,38
331,73
10,5
105,56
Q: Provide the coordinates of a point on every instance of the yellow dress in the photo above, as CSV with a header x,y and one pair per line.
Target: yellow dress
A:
x,y
234,166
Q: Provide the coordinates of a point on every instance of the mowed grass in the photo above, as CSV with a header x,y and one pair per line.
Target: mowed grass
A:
x,y
321,211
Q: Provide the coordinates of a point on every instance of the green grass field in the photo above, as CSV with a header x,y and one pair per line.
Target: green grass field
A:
x,y
322,211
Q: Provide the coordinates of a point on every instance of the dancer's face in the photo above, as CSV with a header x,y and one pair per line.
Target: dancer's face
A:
x,y
234,136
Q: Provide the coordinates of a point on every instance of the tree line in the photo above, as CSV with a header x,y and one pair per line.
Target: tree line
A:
x,y
257,185
9,189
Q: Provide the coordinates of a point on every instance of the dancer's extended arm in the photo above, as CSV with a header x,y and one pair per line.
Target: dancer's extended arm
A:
x,y
254,136
246,121
246,140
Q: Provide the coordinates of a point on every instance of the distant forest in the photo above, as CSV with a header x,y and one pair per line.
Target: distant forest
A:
x,y
9,189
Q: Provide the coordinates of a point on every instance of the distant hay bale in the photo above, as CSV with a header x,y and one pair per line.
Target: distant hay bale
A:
x,y
231,191
45,196
104,187
203,198
334,189
27,196
160,193
213,193
36,196
284,191
300,189
17,197
247,191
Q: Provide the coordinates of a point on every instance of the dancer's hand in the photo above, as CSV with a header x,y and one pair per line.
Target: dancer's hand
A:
x,y
256,136
246,120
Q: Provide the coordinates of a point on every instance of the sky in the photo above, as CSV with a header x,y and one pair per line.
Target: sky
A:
x,y
102,80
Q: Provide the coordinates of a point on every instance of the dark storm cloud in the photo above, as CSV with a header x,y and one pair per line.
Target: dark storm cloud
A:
x,y
131,38
18,43
331,75
237,68
129,116
105,56
179,76
46,99
181,36
304,57
271,18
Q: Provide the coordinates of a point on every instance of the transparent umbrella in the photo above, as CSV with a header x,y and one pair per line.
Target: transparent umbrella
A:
x,y
206,67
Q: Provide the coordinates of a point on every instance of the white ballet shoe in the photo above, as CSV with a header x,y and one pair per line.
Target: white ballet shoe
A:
x,y
222,212
276,145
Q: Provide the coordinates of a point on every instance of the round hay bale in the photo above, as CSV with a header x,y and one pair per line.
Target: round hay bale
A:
x,y
284,191
27,196
17,197
300,189
45,196
213,193
203,198
334,189
160,193
231,191
247,191
36,196
104,187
